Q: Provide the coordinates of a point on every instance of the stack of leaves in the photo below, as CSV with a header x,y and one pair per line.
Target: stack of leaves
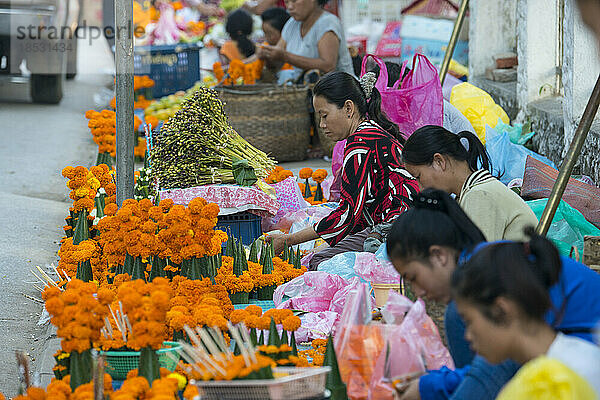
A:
x,y
198,147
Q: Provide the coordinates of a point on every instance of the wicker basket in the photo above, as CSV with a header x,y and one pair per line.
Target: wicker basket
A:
x,y
274,119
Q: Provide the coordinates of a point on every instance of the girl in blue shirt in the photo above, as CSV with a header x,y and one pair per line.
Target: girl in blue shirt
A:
x,y
426,244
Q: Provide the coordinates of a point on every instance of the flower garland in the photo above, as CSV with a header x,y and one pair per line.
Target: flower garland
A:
x,y
78,312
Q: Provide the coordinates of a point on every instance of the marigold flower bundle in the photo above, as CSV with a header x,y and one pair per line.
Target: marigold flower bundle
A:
x,y
78,312
103,128
146,306
233,283
316,355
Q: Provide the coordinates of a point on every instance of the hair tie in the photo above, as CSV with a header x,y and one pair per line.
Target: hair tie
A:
x,y
465,143
429,203
367,83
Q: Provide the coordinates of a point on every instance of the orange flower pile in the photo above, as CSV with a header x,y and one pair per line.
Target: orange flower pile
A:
x,y
198,303
306,173
282,355
196,28
248,73
253,317
319,175
78,312
60,390
103,128
235,368
146,306
234,284
278,174
315,356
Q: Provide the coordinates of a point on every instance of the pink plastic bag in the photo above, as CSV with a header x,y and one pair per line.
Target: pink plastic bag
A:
x,y
395,308
414,101
316,326
419,325
371,269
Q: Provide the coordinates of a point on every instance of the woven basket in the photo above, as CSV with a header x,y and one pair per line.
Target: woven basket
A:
x,y
274,119
119,363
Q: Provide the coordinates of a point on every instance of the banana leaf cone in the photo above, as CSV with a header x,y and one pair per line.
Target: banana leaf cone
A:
x,y
185,266
266,292
298,260
242,257
334,380
284,337
84,271
194,268
274,339
293,344
149,366
104,158
80,368
138,269
261,338
100,203
307,191
268,262
286,252
253,252
230,247
158,268
253,337
319,193
236,349
81,228
263,254
128,266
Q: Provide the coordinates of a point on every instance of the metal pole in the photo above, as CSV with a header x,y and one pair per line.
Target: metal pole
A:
x,y
567,167
460,18
124,95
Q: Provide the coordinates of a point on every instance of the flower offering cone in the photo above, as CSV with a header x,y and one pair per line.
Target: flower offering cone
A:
x,y
319,192
334,380
293,343
81,228
253,252
307,191
274,339
149,366
138,271
84,271
80,368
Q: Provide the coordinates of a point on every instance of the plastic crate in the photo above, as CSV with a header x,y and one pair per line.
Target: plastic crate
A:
x,y
244,225
302,383
172,67
119,363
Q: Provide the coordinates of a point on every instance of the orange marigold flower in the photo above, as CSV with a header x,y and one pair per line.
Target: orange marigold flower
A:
x,y
254,310
319,175
238,316
291,324
306,173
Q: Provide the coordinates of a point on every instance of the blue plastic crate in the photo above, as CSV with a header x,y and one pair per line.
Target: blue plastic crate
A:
x,y
244,225
172,67
264,304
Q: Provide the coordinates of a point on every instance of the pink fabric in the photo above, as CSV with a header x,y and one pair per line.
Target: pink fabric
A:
x,y
289,196
414,101
226,196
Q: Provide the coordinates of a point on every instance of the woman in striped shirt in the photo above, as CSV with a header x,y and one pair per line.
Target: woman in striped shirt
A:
x,y
375,187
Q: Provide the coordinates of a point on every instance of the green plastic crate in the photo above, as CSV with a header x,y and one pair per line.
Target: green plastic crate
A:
x,y
119,363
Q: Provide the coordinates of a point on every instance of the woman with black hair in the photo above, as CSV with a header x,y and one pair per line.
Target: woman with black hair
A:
x,y
375,187
459,164
503,294
239,28
312,39
431,241
274,19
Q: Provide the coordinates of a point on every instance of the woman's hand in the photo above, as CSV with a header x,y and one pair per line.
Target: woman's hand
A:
x,y
412,391
273,53
279,241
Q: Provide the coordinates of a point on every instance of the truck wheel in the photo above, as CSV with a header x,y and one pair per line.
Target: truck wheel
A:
x,y
72,60
46,88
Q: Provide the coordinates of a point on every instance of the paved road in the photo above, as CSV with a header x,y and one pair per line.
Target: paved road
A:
x,y
37,142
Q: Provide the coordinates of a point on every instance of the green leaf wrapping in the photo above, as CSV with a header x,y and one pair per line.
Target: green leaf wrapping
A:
x,y
149,366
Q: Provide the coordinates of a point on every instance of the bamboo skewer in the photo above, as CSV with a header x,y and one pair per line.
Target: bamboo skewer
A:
x,y
236,337
247,341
